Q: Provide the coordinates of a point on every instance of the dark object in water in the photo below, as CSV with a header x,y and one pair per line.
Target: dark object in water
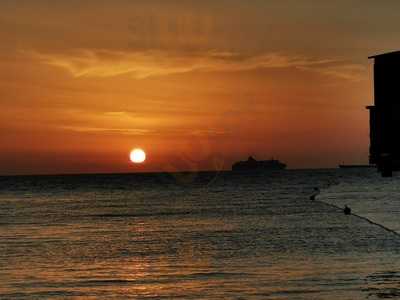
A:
x,y
347,210
254,165
315,194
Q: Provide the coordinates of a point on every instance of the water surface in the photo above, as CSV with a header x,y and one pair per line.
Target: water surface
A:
x,y
198,236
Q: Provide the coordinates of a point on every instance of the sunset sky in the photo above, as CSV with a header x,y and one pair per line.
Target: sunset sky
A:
x,y
196,84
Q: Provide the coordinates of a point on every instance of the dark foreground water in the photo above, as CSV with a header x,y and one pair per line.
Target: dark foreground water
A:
x,y
199,236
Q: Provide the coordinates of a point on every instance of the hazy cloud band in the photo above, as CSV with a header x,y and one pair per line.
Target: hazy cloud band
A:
x,y
140,65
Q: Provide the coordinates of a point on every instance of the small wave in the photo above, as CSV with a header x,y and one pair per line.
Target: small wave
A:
x,y
383,285
384,276
41,295
140,215
293,292
126,282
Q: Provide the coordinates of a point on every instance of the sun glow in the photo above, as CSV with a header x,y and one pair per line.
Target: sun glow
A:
x,y
137,156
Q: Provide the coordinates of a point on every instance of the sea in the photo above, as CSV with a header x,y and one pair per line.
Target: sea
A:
x,y
201,235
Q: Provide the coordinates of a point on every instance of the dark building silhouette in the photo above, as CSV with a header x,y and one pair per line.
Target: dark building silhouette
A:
x,y
385,114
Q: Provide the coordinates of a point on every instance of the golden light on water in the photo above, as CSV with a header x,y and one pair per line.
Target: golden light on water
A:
x,y
137,156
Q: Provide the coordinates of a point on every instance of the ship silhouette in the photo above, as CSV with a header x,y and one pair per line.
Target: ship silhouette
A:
x,y
252,164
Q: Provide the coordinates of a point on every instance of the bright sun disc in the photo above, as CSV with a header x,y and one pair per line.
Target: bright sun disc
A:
x,y
137,156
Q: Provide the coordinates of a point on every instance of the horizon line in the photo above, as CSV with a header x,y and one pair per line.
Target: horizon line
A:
x,y
151,172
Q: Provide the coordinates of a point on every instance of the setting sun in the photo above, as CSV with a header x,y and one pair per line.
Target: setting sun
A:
x,y
137,156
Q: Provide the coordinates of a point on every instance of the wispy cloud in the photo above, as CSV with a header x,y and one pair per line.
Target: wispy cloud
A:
x,y
351,72
341,70
124,131
199,133
144,64
124,123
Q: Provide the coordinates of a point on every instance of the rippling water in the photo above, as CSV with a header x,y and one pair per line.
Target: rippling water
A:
x,y
199,236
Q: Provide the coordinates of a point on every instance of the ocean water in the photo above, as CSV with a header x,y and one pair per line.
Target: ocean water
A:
x,y
200,236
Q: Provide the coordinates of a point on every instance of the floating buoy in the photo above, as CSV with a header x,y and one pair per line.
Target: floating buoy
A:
x,y
347,210
316,193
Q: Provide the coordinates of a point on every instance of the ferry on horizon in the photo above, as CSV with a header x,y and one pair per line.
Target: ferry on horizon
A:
x,y
252,164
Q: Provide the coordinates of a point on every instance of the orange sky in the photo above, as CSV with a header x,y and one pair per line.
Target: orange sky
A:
x,y
197,84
